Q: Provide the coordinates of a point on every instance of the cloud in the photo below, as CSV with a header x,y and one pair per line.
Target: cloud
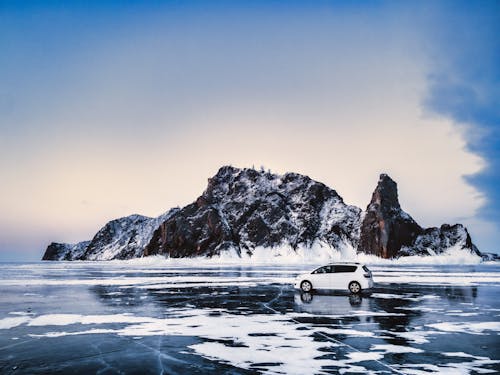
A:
x,y
464,86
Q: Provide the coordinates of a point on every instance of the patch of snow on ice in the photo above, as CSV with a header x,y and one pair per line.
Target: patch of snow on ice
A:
x,y
462,354
475,328
417,337
7,323
363,356
463,314
68,319
405,296
395,349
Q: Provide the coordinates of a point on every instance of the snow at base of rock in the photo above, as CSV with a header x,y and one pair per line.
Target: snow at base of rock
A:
x,y
315,255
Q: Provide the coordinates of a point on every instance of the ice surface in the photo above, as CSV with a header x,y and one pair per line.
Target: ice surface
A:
x,y
406,296
152,282
224,318
254,335
477,366
388,348
417,336
380,275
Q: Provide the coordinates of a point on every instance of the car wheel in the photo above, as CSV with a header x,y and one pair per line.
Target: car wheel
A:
x,y
306,286
354,287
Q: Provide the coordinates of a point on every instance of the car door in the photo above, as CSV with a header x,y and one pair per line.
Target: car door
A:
x,y
342,276
321,277
327,277
336,277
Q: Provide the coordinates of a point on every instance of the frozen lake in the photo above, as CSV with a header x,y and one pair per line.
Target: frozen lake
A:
x,y
128,318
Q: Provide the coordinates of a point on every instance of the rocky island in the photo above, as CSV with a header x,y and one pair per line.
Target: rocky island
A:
x,y
242,209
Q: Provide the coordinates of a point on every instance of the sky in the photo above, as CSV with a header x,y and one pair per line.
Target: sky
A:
x,y
109,108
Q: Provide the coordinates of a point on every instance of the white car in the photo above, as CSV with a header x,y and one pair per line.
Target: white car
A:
x,y
353,277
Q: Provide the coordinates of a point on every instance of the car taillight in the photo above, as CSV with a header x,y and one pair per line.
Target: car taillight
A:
x,y
368,275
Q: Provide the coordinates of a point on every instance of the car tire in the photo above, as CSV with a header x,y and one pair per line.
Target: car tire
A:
x,y
306,286
354,287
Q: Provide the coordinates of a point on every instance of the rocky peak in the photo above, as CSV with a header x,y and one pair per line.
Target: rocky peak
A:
x,y
385,195
386,227
231,181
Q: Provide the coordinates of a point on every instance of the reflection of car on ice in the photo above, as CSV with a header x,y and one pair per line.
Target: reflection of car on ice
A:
x,y
353,277
354,299
333,304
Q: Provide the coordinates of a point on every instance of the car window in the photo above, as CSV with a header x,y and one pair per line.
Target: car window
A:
x,y
325,269
342,269
319,270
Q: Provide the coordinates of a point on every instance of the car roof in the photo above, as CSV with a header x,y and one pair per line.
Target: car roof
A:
x,y
344,263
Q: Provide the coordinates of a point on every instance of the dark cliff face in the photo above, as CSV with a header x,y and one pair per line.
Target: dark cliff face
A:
x,y
245,208
192,232
386,228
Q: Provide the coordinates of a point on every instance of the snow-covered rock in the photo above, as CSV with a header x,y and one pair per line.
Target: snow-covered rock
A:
x,y
490,257
243,209
434,241
122,238
64,251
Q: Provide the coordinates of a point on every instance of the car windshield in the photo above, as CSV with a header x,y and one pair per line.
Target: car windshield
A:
x,y
366,269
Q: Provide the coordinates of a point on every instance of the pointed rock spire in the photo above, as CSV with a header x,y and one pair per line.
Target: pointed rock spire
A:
x,y
386,227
